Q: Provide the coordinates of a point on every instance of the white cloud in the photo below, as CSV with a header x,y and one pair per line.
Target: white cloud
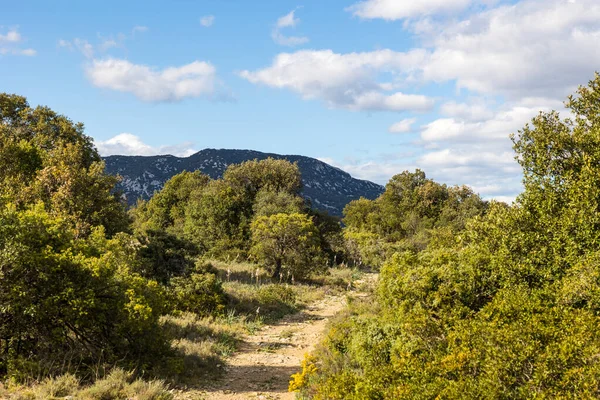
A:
x,y
508,61
108,44
28,52
287,21
65,43
102,44
497,127
469,112
401,9
12,36
130,145
10,44
153,85
531,48
207,21
343,80
84,47
290,41
139,28
403,126
81,45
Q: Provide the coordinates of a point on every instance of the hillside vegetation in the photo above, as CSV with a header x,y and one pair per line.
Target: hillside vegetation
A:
x,y
475,299
506,307
96,299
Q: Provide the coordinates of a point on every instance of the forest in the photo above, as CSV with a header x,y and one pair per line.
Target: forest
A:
x,y
474,298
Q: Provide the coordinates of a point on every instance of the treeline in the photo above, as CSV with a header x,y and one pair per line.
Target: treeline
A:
x,y
254,212
411,212
84,282
506,307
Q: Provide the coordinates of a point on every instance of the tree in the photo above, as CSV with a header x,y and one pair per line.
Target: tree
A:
x,y
46,157
268,203
289,241
217,219
270,175
166,209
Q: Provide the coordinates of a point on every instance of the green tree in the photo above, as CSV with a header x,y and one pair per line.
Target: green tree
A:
x,y
64,298
289,241
218,219
46,157
166,209
268,203
269,175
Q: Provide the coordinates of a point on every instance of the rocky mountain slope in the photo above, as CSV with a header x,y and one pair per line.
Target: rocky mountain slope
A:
x,y
328,188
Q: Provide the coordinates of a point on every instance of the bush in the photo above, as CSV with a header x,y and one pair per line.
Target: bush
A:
x,y
200,292
120,384
68,301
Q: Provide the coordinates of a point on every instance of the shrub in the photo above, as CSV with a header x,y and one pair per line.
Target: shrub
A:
x,y
200,292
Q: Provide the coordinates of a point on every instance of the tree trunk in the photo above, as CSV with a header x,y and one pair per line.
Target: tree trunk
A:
x,y
277,269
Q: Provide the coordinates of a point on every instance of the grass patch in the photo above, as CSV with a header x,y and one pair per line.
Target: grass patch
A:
x,y
200,344
117,385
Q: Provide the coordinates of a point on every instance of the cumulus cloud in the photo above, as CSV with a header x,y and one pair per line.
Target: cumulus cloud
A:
x,y
497,127
460,150
466,111
10,44
531,48
287,21
510,62
151,84
403,126
343,80
132,145
12,36
207,21
401,9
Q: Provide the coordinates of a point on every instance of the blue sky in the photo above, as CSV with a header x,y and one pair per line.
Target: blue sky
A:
x,y
374,87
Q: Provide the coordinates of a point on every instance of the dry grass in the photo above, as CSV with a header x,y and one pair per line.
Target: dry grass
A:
x,y
253,293
200,345
117,385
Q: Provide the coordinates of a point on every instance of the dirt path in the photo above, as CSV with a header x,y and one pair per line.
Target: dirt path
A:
x,y
262,367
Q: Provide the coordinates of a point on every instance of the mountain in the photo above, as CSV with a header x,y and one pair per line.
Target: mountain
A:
x,y
328,188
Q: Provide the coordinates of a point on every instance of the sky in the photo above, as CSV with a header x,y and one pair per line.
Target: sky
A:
x,y
374,87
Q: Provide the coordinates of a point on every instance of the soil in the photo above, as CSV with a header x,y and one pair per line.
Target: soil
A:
x,y
262,367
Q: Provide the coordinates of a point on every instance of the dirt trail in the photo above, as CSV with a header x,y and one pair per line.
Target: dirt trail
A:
x,y
262,367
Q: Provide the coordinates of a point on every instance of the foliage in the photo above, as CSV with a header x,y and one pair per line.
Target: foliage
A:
x,y
286,242
64,297
46,157
166,209
300,379
218,219
164,256
200,292
406,216
269,175
509,308
70,294
268,203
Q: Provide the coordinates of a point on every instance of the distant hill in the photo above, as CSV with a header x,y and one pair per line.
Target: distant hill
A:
x,y
328,188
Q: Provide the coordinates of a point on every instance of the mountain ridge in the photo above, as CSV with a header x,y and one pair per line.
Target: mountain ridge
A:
x,y
328,188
